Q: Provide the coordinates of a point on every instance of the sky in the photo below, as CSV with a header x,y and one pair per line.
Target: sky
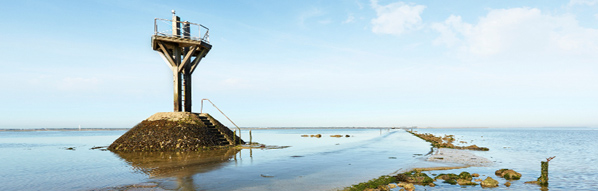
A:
x,y
327,63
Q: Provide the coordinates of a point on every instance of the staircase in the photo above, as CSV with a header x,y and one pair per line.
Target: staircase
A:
x,y
223,139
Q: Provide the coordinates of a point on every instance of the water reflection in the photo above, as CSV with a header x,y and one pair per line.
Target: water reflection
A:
x,y
179,165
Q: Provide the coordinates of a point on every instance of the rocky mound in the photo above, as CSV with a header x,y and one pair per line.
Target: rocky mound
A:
x,y
176,131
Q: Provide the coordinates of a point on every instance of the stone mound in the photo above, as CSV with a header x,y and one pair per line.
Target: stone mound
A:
x,y
176,131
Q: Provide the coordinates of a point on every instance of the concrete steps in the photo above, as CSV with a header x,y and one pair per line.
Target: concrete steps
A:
x,y
222,138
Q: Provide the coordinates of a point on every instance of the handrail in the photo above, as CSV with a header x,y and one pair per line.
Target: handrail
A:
x,y
168,32
201,111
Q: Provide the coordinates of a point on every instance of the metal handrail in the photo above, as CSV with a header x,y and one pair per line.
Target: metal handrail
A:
x,y
205,37
201,111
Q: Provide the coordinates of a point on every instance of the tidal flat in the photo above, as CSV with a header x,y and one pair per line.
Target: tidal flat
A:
x,y
65,160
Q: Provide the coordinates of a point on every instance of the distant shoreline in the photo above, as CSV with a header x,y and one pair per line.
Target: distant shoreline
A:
x,y
242,128
67,129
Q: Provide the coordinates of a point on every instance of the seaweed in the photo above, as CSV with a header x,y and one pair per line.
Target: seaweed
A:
x,y
374,183
446,142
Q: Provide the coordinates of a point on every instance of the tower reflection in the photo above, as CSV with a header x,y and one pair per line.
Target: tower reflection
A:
x,y
179,165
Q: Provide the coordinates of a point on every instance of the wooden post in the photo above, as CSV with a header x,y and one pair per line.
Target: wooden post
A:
x,y
543,179
250,137
177,91
187,91
187,70
176,32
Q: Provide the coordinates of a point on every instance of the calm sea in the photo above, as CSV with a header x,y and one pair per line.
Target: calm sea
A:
x,y
42,160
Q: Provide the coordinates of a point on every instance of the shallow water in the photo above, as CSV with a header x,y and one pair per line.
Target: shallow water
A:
x,y
574,168
41,161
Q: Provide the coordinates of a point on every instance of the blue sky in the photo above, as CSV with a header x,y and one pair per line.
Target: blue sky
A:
x,y
322,63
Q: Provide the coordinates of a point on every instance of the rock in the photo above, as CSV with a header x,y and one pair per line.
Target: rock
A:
x,y
416,177
401,178
478,180
489,183
402,184
500,171
450,181
409,187
392,185
446,176
431,185
304,135
512,175
384,188
508,174
465,179
318,135
475,175
337,136
463,182
465,176
347,135
531,182
507,184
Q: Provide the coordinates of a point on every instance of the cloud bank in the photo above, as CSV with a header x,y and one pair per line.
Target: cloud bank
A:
x,y
517,32
396,18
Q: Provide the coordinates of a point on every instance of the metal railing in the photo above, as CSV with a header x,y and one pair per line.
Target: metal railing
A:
x,y
163,27
201,111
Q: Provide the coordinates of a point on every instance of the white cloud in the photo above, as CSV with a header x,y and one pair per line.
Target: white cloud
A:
x,y
517,32
349,19
583,2
396,18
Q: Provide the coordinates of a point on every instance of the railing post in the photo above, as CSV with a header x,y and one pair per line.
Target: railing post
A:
x,y
155,26
201,108
235,138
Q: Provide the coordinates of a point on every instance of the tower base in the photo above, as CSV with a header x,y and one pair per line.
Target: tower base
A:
x,y
176,131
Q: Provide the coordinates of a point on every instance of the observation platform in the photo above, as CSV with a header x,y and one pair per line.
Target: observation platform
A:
x,y
181,36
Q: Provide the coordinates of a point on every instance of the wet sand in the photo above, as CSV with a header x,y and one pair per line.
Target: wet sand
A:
x,y
458,156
